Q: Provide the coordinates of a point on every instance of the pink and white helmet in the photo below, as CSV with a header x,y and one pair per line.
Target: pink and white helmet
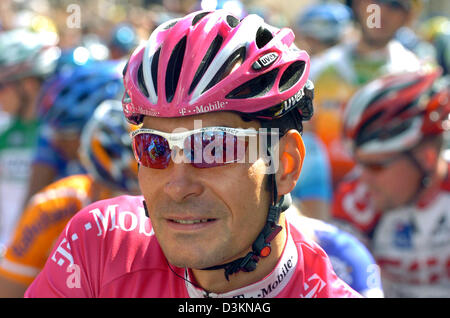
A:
x,y
212,61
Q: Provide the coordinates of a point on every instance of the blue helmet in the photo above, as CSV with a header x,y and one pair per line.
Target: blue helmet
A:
x,y
105,149
124,37
68,99
73,57
325,21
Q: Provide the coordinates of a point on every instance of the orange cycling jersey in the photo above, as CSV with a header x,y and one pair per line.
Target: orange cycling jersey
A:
x,y
40,225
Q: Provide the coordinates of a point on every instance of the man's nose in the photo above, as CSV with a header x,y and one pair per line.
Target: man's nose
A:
x,y
182,182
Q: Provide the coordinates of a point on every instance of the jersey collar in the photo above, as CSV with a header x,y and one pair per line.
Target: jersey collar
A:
x,y
268,287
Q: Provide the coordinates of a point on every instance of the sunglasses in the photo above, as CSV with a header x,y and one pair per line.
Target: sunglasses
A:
x,y
203,148
381,165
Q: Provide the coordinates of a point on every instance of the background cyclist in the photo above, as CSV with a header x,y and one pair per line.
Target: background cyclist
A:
x,y
106,154
338,72
398,197
27,58
67,100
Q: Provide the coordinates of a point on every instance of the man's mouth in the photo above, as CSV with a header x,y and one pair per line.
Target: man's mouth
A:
x,y
191,221
190,224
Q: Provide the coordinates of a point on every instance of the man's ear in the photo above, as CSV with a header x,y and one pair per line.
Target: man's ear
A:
x,y
428,154
291,153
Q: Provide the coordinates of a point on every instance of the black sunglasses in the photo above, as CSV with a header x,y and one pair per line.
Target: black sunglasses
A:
x,y
380,165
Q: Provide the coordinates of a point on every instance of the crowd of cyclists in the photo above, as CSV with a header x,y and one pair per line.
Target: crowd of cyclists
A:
x,y
374,187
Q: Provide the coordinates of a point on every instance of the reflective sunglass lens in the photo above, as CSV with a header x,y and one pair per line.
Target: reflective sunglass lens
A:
x,y
202,150
152,151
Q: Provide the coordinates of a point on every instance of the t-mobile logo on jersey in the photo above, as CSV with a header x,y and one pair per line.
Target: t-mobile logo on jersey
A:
x,y
63,256
280,277
313,286
124,220
62,253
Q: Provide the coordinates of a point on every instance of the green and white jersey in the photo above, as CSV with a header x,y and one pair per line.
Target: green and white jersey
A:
x,y
17,142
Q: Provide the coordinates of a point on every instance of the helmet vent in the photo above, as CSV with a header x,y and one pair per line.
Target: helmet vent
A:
x,y
174,69
170,25
207,59
291,75
256,87
232,21
233,61
141,81
65,90
263,36
364,134
199,16
83,97
154,69
408,109
395,131
124,71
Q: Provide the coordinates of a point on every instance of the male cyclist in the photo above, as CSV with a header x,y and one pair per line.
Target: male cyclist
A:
x,y
215,203
106,153
322,25
26,59
340,71
67,100
399,200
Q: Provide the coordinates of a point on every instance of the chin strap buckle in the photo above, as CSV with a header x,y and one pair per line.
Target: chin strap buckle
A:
x,y
245,264
260,248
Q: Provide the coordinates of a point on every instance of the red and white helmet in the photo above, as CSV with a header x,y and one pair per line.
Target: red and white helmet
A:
x,y
393,113
212,61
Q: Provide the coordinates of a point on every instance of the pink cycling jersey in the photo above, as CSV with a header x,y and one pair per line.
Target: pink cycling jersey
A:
x,y
109,249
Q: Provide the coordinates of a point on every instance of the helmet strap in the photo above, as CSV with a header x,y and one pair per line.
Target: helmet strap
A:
x,y
261,246
425,178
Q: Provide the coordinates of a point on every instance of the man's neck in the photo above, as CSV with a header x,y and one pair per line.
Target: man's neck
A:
x,y
214,281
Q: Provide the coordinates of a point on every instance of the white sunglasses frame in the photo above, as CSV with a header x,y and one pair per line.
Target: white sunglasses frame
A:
x,y
177,139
